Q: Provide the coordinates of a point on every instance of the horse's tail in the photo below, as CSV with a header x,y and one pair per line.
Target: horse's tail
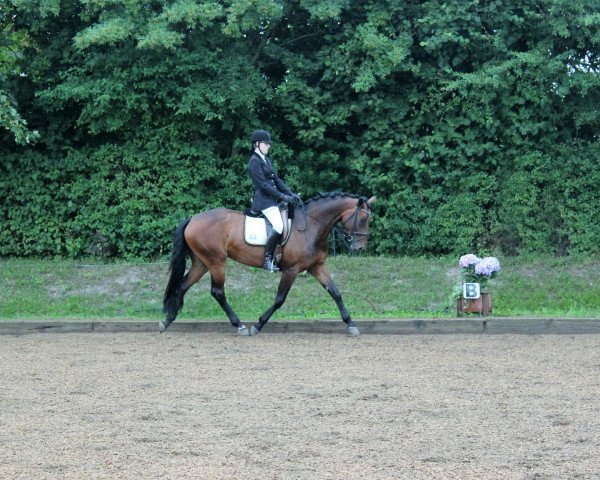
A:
x,y
173,299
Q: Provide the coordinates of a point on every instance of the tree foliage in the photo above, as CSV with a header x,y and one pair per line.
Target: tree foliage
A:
x,y
11,120
475,122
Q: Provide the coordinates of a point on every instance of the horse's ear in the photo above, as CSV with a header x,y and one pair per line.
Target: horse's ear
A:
x,y
371,200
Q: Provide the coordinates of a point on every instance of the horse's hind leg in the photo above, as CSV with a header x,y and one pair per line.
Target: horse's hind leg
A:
x,y
217,290
194,274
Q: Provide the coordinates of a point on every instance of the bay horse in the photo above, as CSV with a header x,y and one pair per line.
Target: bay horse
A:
x,y
211,237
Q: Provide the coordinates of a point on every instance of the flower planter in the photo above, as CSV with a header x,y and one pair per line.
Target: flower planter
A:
x,y
481,305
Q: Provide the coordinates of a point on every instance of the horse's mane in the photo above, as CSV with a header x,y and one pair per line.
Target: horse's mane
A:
x,y
324,195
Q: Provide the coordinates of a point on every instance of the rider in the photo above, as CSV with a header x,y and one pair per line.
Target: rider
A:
x,y
270,190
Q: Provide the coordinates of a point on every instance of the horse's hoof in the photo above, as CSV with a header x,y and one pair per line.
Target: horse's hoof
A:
x,y
161,327
243,331
254,331
352,331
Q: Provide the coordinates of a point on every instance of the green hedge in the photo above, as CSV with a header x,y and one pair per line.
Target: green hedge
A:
x,y
109,202
126,202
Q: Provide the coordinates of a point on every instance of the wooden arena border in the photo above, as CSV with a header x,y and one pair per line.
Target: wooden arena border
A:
x,y
489,325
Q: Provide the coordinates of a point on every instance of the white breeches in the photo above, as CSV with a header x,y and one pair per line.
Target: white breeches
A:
x,y
274,216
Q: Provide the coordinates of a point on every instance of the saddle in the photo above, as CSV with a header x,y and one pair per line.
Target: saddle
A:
x,y
256,224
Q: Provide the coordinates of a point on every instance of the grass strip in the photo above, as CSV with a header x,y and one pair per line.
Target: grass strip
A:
x,y
372,287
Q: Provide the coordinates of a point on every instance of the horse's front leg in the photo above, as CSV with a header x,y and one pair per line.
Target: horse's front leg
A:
x,y
287,279
321,273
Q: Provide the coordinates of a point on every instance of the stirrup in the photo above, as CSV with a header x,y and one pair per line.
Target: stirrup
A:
x,y
270,266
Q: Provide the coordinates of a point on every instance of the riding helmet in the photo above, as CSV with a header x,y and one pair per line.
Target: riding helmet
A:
x,y
260,136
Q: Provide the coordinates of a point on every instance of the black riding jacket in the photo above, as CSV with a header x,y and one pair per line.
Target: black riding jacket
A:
x,y
269,188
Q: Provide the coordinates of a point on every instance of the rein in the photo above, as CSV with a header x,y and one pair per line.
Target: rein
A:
x,y
347,237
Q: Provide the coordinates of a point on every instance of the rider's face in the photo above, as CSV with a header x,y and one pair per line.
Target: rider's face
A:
x,y
264,147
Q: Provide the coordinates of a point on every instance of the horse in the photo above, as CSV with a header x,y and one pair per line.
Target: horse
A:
x,y
213,236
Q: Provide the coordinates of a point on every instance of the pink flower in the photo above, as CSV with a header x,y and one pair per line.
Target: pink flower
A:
x,y
487,266
468,260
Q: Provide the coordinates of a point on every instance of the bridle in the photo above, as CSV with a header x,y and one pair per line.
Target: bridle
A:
x,y
349,237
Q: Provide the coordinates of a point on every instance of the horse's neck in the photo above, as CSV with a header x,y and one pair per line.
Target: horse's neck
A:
x,y
327,213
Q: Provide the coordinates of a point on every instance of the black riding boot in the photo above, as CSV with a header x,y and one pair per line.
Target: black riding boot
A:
x,y
270,246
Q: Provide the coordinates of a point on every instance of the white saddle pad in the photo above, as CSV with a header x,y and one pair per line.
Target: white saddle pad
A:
x,y
255,231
